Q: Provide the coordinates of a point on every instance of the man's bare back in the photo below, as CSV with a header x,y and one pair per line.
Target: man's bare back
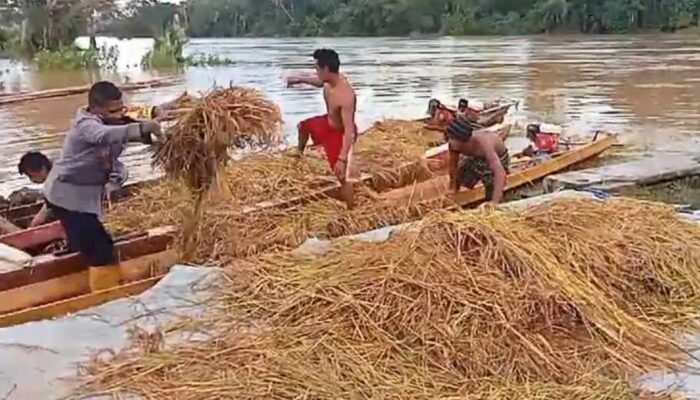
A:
x,y
486,159
480,146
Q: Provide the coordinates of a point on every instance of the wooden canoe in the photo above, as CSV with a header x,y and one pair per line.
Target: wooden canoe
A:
x,y
524,170
55,277
486,118
35,239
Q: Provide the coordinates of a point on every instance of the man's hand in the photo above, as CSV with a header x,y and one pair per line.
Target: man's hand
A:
x,y
155,130
41,218
340,170
292,81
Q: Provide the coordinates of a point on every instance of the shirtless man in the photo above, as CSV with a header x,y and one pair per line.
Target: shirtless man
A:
x,y
335,131
484,158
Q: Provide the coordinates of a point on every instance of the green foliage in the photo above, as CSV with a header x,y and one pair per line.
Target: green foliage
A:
x,y
224,18
143,18
74,58
51,24
5,38
207,60
167,50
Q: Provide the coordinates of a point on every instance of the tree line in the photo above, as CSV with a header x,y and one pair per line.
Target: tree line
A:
x,y
233,18
50,24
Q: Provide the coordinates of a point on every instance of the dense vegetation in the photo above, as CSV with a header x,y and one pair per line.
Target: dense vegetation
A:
x,y
46,29
227,18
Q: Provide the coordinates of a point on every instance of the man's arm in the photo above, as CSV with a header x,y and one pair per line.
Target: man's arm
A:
x,y
499,175
305,79
453,165
41,217
96,133
347,114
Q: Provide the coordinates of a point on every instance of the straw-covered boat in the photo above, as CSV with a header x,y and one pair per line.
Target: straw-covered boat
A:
x,y
21,215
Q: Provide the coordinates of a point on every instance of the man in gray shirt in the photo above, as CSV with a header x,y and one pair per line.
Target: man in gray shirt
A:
x,y
75,186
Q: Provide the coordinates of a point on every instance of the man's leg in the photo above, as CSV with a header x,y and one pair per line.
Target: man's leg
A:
x,y
87,235
347,193
347,185
303,138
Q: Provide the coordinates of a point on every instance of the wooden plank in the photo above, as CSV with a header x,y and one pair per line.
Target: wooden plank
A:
x,y
28,239
70,91
47,267
44,292
76,284
78,303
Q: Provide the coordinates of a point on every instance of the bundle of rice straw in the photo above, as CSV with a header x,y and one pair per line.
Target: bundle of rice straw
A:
x,y
387,146
572,299
197,146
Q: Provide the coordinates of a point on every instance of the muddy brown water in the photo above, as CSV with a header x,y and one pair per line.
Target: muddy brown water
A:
x,y
644,87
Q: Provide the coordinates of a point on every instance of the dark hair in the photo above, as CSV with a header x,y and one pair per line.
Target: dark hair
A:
x,y
463,103
327,58
459,129
33,161
103,92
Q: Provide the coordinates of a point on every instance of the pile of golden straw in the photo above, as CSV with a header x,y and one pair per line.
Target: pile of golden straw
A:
x,y
573,299
276,176
197,145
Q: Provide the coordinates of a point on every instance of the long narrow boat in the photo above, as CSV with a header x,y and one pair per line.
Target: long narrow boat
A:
x,y
54,277
486,118
21,215
55,285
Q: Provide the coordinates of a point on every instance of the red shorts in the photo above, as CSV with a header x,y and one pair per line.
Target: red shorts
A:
x,y
324,135
332,142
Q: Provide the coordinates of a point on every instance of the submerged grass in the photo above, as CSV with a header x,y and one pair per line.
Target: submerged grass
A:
x,y
570,299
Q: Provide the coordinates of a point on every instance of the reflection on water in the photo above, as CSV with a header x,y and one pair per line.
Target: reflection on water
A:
x,y
647,88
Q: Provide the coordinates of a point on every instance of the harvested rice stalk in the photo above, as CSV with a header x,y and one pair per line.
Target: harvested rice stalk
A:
x,y
279,229
197,148
474,305
198,144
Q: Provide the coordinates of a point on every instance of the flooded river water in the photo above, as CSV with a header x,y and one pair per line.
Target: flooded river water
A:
x,y
644,87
